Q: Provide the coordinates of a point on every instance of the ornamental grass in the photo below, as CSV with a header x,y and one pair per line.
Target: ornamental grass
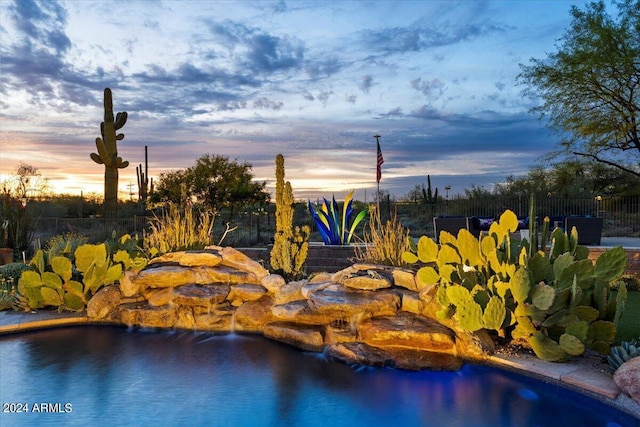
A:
x,y
383,244
178,229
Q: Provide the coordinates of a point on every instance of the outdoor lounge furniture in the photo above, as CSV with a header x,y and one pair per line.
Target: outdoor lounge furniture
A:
x,y
480,223
589,229
451,224
557,222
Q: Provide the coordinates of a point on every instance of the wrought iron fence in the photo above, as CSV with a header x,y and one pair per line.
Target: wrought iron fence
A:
x,y
97,229
621,214
621,218
250,229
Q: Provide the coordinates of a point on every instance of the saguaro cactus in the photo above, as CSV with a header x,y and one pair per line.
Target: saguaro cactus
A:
x,y
108,154
143,183
429,198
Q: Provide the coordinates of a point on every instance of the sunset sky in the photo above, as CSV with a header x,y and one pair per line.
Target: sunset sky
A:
x,y
313,80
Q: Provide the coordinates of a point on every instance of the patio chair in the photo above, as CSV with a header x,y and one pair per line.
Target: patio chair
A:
x,y
589,229
451,224
479,223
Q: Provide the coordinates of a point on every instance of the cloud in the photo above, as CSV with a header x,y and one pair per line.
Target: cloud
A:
x,y
427,112
324,96
265,103
311,80
188,73
366,82
280,7
41,22
231,105
396,112
269,53
485,131
230,33
419,37
259,52
37,46
323,68
431,89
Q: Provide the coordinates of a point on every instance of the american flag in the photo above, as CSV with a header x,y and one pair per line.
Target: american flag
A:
x,y
379,163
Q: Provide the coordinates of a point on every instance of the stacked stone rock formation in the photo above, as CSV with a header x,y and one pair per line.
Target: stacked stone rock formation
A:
x,y
368,314
627,378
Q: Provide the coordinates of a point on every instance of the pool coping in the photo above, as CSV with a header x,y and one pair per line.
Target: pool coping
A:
x,y
587,374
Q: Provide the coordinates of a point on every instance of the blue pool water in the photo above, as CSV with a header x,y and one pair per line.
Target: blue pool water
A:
x,y
108,376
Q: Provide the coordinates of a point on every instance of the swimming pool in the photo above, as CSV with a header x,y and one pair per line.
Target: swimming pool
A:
x,y
110,376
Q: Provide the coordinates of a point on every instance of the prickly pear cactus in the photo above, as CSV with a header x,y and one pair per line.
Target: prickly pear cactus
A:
x,y
96,267
56,288
108,154
57,282
555,300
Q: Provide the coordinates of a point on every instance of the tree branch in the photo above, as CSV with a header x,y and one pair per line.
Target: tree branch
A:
x,y
607,162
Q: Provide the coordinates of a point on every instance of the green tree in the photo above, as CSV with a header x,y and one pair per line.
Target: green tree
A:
x,y
414,195
571,179
536,182
610,181
477,193
16,225
590,87
171,187
213,181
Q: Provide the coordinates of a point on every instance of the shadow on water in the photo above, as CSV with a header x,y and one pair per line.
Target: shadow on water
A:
x,y
115,376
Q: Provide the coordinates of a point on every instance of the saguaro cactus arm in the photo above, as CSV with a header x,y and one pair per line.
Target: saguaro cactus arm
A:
x,y
107,145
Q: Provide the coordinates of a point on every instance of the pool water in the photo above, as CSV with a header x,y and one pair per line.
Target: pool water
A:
x,y
109,376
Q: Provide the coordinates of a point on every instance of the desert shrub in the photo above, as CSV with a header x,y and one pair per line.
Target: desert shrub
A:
x,y
9,276
65,244
12,272
18,226
7,294
383,244
179,229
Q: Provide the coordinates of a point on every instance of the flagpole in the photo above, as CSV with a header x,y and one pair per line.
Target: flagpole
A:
x,y
379,161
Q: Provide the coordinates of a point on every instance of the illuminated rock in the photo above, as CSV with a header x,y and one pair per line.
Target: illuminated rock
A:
x,y
405,331
627,377
253,315
368,314
363,354
302,336
104,302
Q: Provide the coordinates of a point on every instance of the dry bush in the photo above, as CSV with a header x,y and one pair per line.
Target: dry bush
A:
x,y
180,229
384,244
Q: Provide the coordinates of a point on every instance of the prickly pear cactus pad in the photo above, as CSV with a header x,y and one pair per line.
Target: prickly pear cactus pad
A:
x,y
555,300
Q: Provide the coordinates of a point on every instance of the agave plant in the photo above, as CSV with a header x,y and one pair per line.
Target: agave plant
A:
x,y
619,354
333,227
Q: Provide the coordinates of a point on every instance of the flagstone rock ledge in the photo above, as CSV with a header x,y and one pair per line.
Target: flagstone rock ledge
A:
x,y
365,314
